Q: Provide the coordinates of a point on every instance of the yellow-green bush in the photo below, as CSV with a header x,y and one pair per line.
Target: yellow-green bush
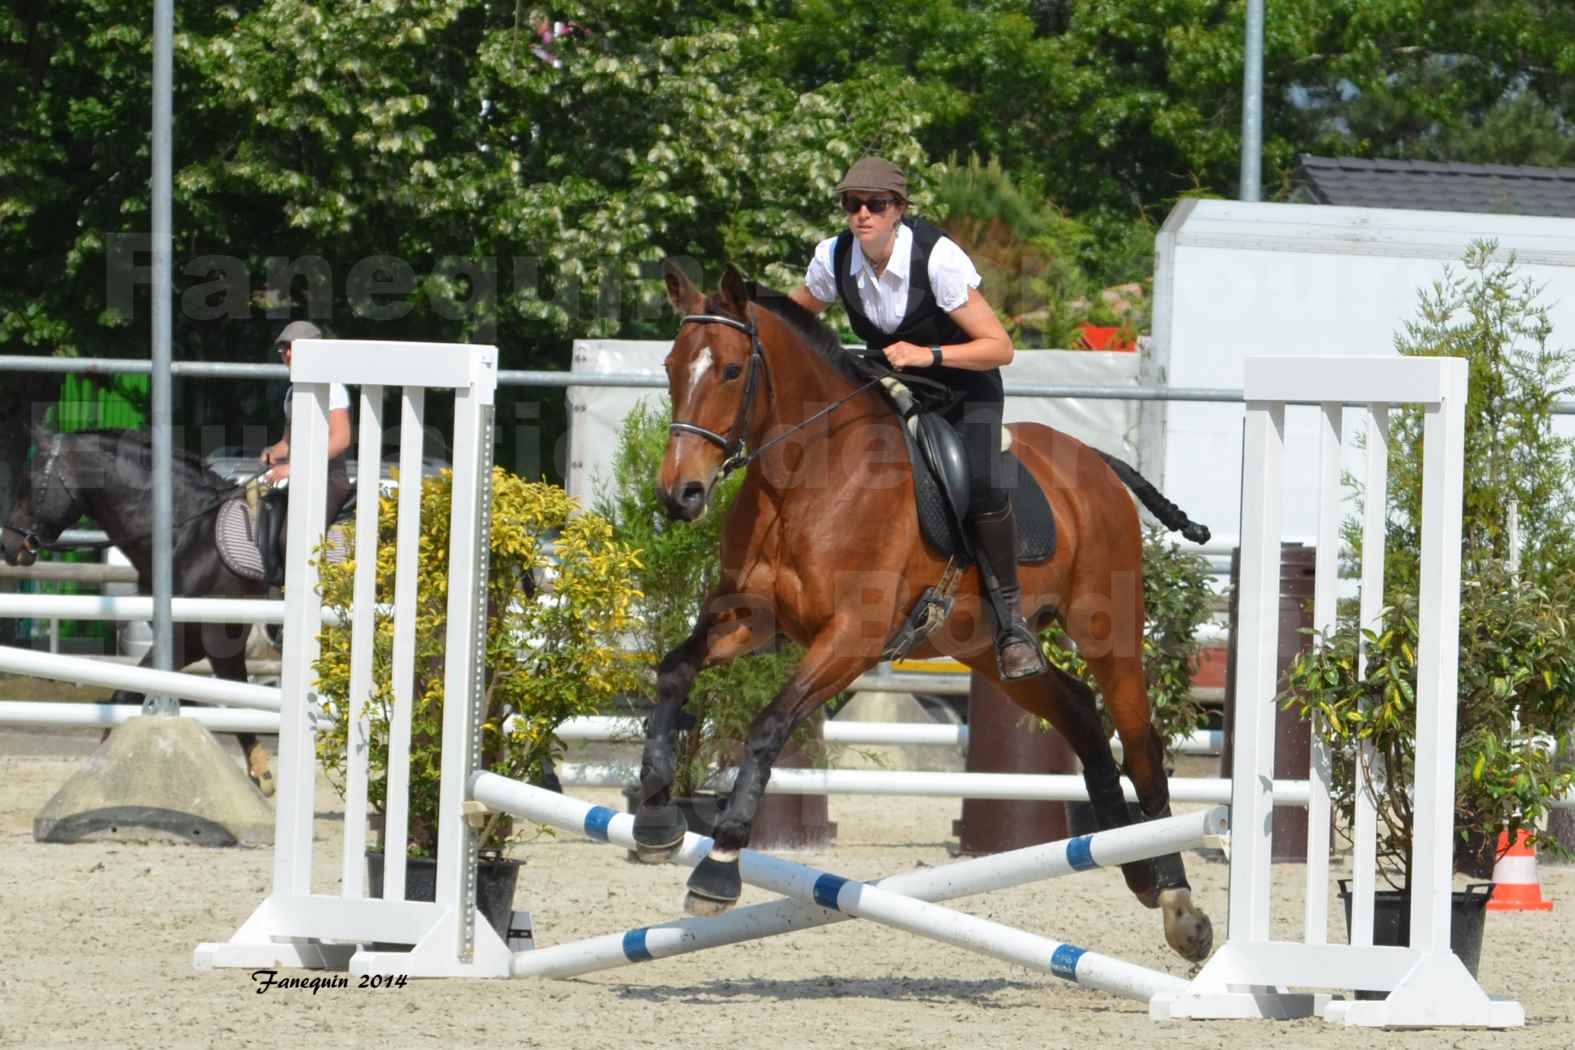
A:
x,y
550,655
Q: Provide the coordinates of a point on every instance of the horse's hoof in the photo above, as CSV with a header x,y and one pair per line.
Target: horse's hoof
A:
x,y
1187,930
714,885
704,907
1149,898
264,782
654,854
658,832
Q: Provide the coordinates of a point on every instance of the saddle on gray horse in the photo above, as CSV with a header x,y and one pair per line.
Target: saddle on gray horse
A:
x,y
249,533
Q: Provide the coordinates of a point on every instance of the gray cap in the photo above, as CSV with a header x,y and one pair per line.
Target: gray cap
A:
x,y
873,174
297,330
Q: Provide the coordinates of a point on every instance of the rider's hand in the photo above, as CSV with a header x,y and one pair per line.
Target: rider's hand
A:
x,y
907,355
277,473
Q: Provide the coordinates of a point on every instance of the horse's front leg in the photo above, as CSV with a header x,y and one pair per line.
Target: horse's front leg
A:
x,y
826,670
726,630
225,645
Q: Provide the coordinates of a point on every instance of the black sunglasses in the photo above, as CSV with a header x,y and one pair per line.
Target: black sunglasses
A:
x,y
876,205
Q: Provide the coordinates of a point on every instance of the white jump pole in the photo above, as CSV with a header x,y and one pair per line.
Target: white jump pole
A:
x,y
139,607
922,784
73,715
144,680
855,899
908,734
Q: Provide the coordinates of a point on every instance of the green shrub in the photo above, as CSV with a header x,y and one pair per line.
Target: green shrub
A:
x,y
1516,696
548,657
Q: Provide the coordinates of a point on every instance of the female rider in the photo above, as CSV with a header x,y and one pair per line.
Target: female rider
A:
x,y
913,294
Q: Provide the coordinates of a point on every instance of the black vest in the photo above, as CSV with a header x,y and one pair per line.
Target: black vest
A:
x,y
924,323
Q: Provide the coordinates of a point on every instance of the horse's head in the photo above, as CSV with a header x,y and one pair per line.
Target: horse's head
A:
x,y
45,504
713,372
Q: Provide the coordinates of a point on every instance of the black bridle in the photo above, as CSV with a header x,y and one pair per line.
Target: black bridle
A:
x,y
732,445
31,540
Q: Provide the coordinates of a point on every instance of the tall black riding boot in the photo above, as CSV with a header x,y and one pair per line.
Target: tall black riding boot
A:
x,y
1017,652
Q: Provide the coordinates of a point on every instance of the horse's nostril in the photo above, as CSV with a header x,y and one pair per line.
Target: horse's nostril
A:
x,y
693,493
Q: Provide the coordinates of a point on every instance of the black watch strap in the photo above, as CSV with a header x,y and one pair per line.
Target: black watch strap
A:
x,y
935,356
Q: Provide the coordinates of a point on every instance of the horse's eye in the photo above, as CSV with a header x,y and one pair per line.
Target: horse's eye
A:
x,y
732,371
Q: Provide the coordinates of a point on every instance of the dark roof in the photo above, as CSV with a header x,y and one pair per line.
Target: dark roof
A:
x,y
1432,186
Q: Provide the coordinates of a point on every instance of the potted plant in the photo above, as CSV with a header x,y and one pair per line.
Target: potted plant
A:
x,y
1176,596
549,656
1516,639
679,566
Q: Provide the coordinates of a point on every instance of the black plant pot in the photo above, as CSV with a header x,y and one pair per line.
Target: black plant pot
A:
x,y
1392,923
496,878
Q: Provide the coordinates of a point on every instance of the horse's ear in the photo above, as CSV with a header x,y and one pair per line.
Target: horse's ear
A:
x,y
735,292
681,291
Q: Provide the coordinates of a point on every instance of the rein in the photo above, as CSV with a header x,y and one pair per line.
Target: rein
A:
x,y
733,444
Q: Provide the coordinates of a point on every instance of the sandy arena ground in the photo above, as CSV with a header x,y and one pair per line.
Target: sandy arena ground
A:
x,y
99,943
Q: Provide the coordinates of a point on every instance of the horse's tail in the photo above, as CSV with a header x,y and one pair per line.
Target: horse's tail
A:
x,y
1171,516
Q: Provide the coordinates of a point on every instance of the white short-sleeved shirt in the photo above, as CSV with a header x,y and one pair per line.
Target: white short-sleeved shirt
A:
x,y
338,397
885,298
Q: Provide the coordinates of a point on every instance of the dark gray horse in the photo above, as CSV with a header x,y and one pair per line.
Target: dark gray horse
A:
x,y
106,475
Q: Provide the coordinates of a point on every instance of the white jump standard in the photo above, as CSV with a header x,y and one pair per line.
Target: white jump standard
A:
x,y
1249,976
294,926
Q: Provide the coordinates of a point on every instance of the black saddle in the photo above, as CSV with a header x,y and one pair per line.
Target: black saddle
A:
x,y
940,483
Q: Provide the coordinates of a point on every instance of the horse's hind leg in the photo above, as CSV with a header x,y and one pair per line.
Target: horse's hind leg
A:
x,y
1068,704
825,670
1119,671
724,631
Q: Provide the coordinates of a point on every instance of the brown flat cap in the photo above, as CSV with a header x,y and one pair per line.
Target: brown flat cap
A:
x,y
873,174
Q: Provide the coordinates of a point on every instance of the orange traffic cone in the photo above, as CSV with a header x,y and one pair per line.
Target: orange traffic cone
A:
x,y
1515,886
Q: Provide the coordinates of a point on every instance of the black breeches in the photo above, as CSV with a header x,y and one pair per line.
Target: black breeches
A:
x,y
338,488
338,492
977,418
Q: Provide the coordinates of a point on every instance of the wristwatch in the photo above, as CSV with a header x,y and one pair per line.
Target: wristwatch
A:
x,y
935,356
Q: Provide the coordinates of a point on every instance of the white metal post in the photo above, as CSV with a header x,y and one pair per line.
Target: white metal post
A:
x,y
1315,920
1370,775
1438,664
297,759
369,466
1252,769
396,813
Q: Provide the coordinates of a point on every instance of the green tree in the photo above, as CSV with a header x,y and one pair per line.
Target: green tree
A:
x,y
1517,651
1495,320
547,658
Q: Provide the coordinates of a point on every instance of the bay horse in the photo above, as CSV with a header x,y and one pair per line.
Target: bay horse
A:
x,y
107,475
823,545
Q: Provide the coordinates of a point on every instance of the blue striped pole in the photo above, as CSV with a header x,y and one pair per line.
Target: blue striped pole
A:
x,y
816,898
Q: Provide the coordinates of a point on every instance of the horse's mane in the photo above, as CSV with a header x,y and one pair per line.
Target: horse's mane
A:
x,y
820,337
187,466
